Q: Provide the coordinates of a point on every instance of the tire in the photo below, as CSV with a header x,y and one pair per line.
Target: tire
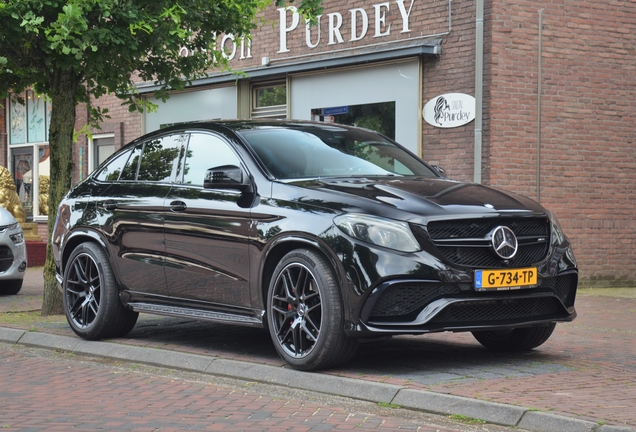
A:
x,y
305,314
91,297
515,340
11,287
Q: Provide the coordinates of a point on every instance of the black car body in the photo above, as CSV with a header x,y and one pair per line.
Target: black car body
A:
x,y
323,233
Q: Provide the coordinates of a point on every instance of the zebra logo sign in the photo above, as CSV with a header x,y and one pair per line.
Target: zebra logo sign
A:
x,y
450,110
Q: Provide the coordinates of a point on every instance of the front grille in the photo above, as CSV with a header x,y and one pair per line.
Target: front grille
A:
x,y
479,228
481,257
500,311
6,258
468,242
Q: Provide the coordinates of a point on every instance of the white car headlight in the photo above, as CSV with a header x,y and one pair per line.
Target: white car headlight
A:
x,y
17,238
379,231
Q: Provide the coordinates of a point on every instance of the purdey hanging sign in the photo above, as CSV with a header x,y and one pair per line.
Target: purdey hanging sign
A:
x,y
450,110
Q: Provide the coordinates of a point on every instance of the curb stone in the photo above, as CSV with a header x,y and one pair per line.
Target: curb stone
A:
x,y
546,422
507,415
436,403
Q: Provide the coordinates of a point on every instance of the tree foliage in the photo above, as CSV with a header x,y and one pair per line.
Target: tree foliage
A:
x,y
72,50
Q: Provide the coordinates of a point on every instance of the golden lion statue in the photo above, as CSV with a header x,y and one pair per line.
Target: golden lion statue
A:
x,y
9,198
43,199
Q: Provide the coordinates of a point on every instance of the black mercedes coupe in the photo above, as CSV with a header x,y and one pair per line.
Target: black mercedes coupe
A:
x,y
324,234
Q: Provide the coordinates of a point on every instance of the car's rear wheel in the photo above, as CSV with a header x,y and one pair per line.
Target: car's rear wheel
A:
x,y
11,287
515,340
91,297
305,313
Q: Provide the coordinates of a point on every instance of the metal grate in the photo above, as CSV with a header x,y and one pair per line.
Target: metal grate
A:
x,y
404,298
483,258
493,311
565,287
479,228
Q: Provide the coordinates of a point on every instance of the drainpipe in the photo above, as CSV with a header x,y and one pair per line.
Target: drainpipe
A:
x,y
479,85
539,91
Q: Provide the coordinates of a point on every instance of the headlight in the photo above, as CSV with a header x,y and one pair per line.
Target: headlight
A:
x,y
382,232
557,232
17,238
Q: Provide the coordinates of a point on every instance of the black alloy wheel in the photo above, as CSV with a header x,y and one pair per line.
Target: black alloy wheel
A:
x,y
91,297
305,314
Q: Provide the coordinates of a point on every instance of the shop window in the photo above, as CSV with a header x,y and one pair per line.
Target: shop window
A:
x,y
379,117
29,161
269,100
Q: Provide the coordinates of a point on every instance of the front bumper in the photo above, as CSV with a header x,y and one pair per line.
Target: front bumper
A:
x,y
13,257
391,293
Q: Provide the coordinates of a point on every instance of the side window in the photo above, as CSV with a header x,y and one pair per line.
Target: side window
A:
x,y
130,170
154,160
159,158
205,152
112,170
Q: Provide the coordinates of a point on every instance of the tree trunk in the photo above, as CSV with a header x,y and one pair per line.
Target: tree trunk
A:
x,y
64,101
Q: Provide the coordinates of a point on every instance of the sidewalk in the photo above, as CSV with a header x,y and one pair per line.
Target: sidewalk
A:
x,y
582,379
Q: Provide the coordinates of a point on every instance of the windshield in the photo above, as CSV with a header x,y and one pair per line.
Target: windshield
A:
x,y
313,151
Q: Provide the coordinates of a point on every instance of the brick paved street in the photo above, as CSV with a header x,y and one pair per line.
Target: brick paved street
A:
x,y
587,370
54,393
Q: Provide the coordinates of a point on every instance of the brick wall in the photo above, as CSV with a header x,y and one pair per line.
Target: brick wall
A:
x,y
452,72
124,124
588,149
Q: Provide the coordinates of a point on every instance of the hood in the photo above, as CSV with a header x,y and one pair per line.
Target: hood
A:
x,y
428,197
6,218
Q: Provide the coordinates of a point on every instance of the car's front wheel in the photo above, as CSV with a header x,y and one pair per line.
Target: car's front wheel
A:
x,y
305,313
515,340
91,297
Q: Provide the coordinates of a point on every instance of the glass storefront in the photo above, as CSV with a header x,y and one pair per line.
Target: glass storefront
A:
x,y
29,119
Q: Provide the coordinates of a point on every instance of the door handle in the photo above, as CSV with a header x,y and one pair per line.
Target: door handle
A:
x,y
110,204
178,206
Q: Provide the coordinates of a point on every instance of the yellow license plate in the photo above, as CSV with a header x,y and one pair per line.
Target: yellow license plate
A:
x,y
505,278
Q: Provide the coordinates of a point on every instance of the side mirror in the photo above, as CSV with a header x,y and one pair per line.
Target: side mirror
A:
x,y
440,170
226,177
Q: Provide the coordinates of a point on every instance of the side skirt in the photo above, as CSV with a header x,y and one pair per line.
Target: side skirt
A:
x,y
205,315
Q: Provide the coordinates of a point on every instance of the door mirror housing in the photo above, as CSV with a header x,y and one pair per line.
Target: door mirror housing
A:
x,y
226,177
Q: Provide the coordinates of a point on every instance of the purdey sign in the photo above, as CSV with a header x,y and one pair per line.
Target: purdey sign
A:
x,y
450,110
365,25
357,29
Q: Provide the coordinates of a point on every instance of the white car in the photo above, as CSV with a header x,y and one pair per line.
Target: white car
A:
x,y
13,254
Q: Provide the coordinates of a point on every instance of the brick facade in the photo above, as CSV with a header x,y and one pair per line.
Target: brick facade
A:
x,y
588,122
588,110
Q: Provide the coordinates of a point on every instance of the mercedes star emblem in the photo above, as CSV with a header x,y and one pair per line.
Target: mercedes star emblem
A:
x,y
504,242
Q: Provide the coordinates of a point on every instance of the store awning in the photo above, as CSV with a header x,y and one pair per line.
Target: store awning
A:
x,y
333,59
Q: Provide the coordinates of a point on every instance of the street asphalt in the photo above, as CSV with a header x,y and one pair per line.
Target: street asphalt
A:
x,y
582,379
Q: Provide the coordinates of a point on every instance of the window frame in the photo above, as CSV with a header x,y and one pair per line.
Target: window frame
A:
x,y
271,111
92,149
